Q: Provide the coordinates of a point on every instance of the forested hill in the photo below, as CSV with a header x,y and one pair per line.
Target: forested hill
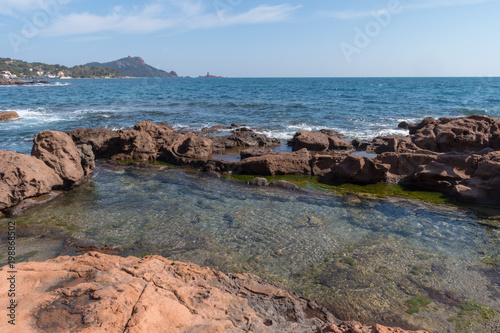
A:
x,y
134,67
27,70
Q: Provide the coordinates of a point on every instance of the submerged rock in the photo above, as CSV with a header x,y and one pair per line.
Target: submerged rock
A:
x,y
258,181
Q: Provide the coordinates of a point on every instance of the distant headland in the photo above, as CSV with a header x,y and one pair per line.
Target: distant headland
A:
x,y
128,67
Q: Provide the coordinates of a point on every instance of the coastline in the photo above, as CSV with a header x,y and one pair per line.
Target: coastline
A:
x,y
195,150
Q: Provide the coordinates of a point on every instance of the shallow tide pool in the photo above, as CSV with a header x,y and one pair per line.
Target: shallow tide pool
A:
x,y
397,262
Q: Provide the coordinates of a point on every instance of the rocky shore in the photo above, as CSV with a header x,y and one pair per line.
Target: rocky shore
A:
x,y
96,292
456,156
4,82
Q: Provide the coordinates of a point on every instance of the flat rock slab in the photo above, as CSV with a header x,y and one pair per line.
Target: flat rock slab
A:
x,y
96,292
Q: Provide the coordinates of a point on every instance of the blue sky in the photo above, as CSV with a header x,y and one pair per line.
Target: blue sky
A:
x,y
242,38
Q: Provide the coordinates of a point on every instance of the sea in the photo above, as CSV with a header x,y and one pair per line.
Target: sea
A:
x,y
401,262
360,108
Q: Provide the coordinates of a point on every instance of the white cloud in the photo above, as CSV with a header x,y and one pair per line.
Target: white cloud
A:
x,y
406,5
11,7
156,17
350,14
87,39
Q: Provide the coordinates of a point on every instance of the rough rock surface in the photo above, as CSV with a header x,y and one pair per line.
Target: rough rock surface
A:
x,y
358,169
97,292
281,163
8,115
243,137
23,176
392,143
59,152
472,133
359,328
322,141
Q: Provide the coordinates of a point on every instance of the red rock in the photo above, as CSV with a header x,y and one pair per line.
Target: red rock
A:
x,y
8,115
58,151
193,146
312,141
472,133
322,141
101,293
243,137
359,328
105,142
23,176
392,143
281,163
358,169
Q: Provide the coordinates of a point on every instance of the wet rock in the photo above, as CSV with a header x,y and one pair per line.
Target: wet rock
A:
x,y
284,184
312,141
472,133
252,152
210,174
104,142
392,143
24,176
358,169
8,115
58,151
404,125
32,203
322,141
258,181
99,292
190,145
354,327
281,163
322,164
243,137
405,164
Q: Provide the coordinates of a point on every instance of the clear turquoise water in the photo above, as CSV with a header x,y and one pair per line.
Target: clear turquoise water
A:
x,y
357,107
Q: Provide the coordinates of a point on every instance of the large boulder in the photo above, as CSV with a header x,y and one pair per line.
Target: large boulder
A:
x,y
405,164
322,141
472,133
8,115
358,169
243,138
58,151
23,176
193,146
104,142
281,163
97,292
392,143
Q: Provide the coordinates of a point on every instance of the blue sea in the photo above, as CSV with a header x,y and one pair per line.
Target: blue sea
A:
x,y
363,258
359,108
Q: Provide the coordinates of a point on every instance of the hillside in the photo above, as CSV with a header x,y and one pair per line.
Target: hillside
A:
x,y
134,67
36,70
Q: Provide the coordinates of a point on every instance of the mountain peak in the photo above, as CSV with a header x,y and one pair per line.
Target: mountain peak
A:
x,y
134,67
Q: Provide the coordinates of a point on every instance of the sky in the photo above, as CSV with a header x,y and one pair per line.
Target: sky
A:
x,y
273,38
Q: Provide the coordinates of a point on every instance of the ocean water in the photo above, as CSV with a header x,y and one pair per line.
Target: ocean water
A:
x,y
357,107
365,259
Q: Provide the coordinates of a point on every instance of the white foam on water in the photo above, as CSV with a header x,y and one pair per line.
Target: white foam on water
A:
x,y
40,115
